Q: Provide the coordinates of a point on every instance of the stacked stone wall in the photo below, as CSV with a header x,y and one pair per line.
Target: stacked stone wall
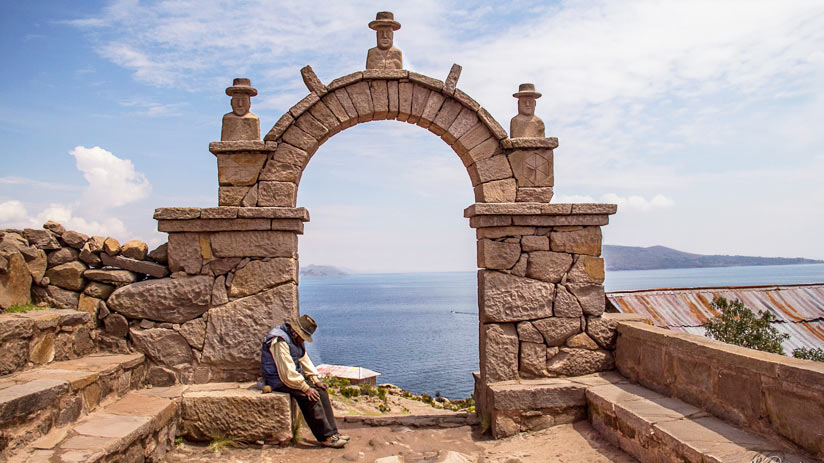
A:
x,y
43,336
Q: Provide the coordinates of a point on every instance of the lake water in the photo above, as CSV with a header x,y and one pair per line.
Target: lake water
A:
x,y
420,330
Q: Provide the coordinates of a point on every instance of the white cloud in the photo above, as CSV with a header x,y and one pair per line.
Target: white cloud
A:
x,y
625,203
12,212
112,181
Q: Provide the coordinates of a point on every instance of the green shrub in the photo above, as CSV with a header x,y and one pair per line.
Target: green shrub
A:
x,y
368,390
350,391
426,398
737,324
23,308
816,354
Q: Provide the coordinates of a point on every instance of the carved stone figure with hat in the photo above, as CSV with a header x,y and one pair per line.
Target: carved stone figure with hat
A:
x,y
526,124
240,124
286,367
385,55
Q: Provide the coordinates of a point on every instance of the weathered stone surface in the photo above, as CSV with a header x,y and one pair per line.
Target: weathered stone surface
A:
x,y
159,376
134,249
239,413
62,256
194,331
160,254
111,246
15,283
74,239
451,82
603,331
55,297
511,298
577,362
223,266
497,254
591,298
36,264
587,269
235,330
520,267
102,310
498,191
528,333
535,243
533,358
261,274
88,257
41,351
534,195
137,266
582,341
89,305
176,213
116,325
27,398
219,294
68,276
164,346
13,357
281,172
255,244
184,253
557,330
281,194
584,241
54,227
41,239
240,168
499,352
110,276
165,299
548,266
533,168
231,195
566,305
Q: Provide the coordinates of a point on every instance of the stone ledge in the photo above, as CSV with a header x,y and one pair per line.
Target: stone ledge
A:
x,y
539,209
230,212
514,143
228,147
445,420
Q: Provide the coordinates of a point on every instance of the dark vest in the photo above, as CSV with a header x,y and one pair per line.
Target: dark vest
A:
x,y
267,363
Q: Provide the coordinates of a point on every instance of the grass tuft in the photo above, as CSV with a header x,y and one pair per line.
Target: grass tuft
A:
x,y
23,308
218,444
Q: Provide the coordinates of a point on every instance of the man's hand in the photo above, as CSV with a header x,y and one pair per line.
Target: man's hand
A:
x,y
321,385
312,395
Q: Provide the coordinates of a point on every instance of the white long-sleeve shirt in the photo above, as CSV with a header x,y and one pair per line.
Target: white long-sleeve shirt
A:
x,y
287,371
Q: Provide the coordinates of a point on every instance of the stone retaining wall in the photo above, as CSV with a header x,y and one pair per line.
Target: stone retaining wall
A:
x,y
768,393
42,336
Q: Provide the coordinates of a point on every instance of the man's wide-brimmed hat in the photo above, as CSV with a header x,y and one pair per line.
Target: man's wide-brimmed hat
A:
x,y
385,18
526,90
241,85
304,326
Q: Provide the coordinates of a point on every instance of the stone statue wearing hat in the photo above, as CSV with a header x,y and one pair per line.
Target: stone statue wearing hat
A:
x,y
240,124
286,368
385,55
526,124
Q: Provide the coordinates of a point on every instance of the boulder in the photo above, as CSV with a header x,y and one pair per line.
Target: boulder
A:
x,y
258,275
37,265
219,294
164,346
160,254
499,352
194,331
587,269
98,290
506,298
582,341
62,256
117,277
111,246
116,325
557,330
158,376
165,300
603,331
566,305
548,266
238,413
89,257
74,239
134,265
89,305
578,362
15,282
235,330
134,249
68,276
95,244
41,239
55,297
54,227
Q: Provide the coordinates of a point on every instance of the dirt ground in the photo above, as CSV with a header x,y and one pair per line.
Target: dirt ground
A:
x,y
575,443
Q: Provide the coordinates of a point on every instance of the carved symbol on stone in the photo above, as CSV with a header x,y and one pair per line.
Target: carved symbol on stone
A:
x,y
532,168
537,167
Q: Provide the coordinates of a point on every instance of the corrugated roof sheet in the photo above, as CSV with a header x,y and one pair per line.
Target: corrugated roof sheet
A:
x,y
798,309
341,371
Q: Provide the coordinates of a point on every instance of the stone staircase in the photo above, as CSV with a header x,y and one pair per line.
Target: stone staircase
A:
x,y
649,426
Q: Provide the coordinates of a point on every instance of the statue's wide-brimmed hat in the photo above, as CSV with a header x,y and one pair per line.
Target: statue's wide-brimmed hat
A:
x,y
304,326
526,90
241,85
385,18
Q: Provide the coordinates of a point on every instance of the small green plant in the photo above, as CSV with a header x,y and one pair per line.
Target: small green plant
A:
x,y
438,394
737,324
23,308
350,392
426,398
179,442
486,422
218,444
384,408
816,354
382,393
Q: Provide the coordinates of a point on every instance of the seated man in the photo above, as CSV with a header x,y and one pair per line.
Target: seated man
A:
x,y
287,368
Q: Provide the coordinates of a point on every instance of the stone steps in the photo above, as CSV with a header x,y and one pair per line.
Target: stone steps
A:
x,y
34,401
140,426
655,428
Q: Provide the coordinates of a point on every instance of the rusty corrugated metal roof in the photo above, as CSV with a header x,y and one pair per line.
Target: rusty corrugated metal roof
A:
x,y
341,371
798,309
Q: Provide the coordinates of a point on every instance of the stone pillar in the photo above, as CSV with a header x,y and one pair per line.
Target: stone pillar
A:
x,y
247,259
540,287
246,178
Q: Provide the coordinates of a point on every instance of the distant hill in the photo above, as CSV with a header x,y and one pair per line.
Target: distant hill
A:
x,y
313,271
660,257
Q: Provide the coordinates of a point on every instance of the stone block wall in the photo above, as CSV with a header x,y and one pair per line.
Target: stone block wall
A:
x,y
42,336
768,393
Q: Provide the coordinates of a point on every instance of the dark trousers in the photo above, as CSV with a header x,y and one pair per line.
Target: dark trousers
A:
x,y
318,415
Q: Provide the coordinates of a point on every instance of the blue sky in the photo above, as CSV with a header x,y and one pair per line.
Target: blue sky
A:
x,y
702,120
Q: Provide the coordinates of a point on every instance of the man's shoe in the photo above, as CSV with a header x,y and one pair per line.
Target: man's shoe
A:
x,y
266,389
334,442
343,437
